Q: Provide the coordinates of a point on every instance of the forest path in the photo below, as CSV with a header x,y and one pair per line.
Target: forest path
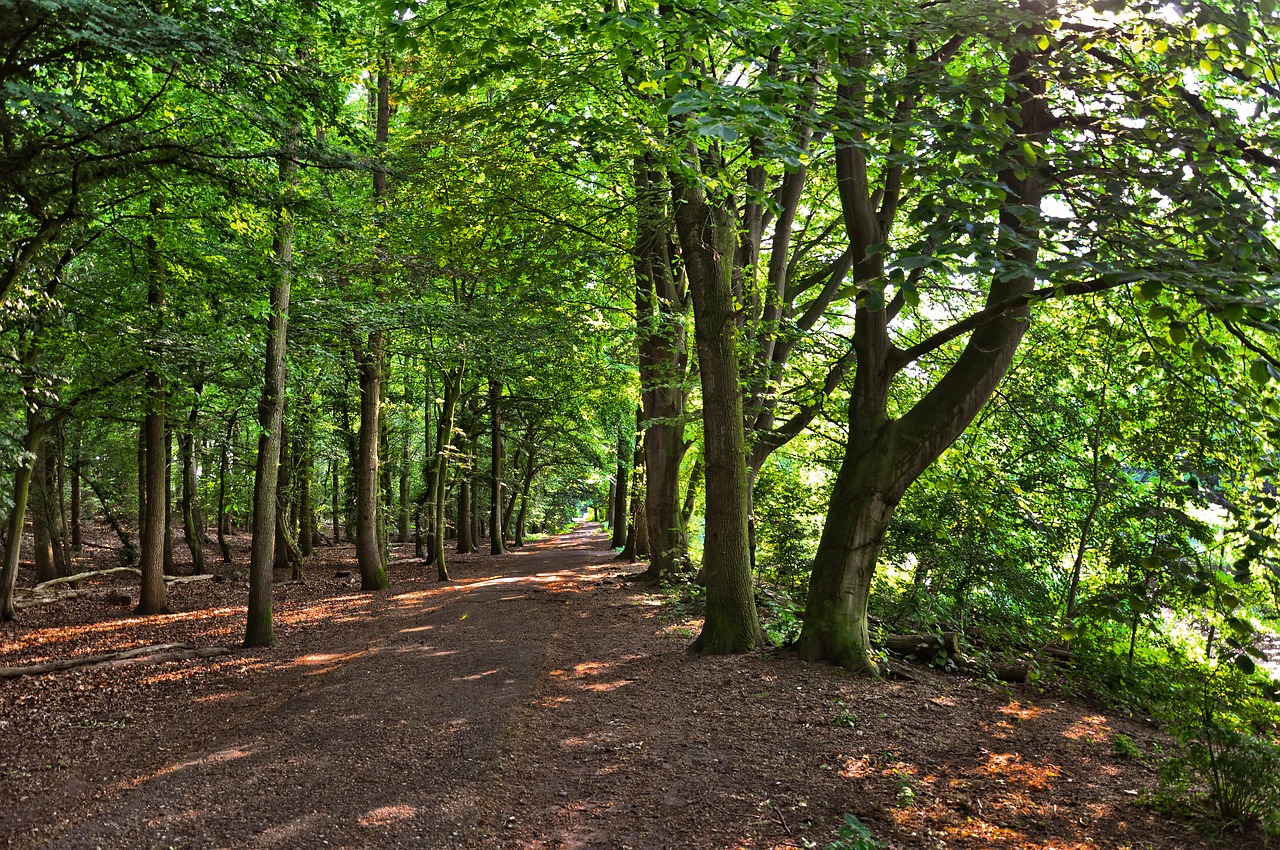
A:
x,y
389,744
538,702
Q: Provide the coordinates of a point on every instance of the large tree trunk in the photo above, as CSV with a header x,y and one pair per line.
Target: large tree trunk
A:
x,y
336,484
152,596
373,572
260,628
369,549
660,307
497,545
706,230
884,456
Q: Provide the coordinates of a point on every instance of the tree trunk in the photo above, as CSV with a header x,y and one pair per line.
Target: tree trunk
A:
x,y
77,539
304,467
497,545
169,569
884,456
260,628
18,514
224,474
373,573
466,542
369,549
337,500
662,357
526,485
706,230
405,516
280,559
152,596
452,380
41,511
191,524
619,509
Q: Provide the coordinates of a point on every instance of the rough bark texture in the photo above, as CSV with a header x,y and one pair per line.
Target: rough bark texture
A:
x,y
706,230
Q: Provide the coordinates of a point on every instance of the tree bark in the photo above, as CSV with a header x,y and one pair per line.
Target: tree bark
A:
x,y
452,390
884,456
369,548
192,526
497,545
224,474
77,539
152,596
706,229
660,308
260,628
42,536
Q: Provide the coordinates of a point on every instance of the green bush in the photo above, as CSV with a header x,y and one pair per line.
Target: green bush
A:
x,y
1229,774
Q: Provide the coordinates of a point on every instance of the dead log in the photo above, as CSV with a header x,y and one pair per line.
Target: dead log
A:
x,y
138,655
56,596
88,660
1015,673
78,577
924,647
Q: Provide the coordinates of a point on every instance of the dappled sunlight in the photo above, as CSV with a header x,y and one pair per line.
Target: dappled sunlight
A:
x,y
1091,728
1010,767
386,815
219,757
1022,712
984,830
477,676
113,633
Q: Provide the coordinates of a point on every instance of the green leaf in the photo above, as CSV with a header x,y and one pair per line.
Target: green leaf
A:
x,y
1149,289
1245,663
1260,371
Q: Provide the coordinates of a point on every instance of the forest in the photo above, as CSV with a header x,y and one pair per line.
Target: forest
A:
x,y
943,331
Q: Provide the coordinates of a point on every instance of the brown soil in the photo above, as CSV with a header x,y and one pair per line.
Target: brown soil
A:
x,y
539,701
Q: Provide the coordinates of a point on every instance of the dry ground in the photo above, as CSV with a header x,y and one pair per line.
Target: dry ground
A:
x,y
538,701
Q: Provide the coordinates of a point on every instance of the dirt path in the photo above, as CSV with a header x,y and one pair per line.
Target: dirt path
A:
x,y
537,702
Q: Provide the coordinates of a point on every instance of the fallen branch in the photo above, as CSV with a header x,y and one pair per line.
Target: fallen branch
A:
x,y
189,579
82,576
56,596
138,655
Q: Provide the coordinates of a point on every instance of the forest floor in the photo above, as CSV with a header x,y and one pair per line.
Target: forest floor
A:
x,y
537,701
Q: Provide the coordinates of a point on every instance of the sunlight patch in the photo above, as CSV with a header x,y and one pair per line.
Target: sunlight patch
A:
x,y
387,815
